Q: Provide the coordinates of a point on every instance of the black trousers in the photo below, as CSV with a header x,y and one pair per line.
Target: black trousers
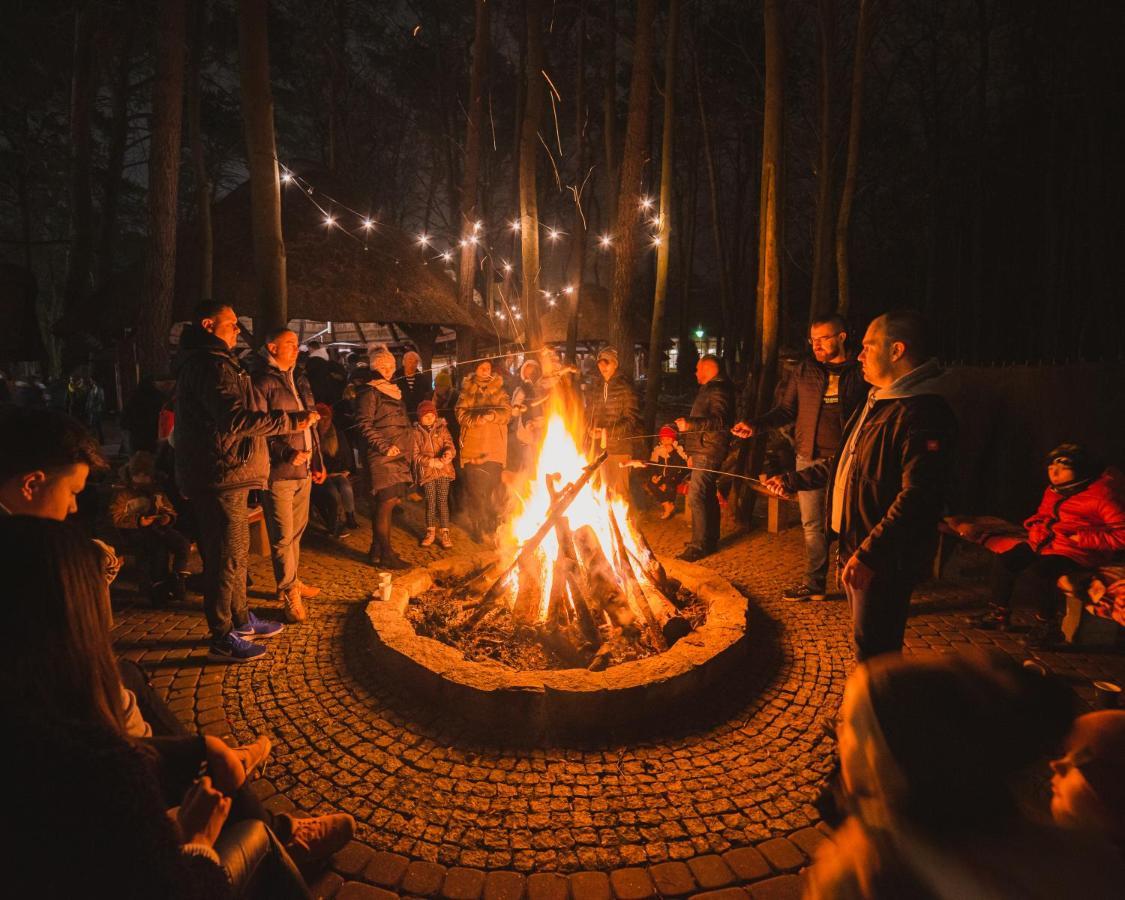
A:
x,y
1023,573
879,613
224,544
481,481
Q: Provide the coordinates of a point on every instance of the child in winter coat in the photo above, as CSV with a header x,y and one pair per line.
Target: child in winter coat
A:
x,y
144,515
663,481
433,470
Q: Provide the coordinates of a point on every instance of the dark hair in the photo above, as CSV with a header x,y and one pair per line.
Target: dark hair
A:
x,y
274,333
208,309
833,319
55,652
908,327
1084,463
41,439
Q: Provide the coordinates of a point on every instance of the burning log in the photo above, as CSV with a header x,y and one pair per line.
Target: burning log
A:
x,y
605,594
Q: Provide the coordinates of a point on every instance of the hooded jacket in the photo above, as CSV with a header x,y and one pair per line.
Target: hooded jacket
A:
x,y
613,405
221,421
1085,523
893,469
382,422
431,443
483,411
802,401
709,423
290,392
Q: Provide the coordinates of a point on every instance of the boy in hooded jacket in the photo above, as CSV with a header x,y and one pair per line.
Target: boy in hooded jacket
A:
x,y
433,470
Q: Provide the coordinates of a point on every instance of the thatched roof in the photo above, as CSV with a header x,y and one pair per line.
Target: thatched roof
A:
x,y
342,272
593,319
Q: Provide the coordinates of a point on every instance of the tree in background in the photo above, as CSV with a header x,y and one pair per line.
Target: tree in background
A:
x,y
529,189
471,177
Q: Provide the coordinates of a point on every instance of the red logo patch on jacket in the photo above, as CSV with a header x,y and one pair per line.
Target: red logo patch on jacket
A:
x,y
933,446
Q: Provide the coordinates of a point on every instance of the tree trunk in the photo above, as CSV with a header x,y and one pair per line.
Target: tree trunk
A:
x,y
529,148
115,153
664,250
629,197
820,300
862,42
609,111
163,188
685,365
198,158
83,88
261,157
576,264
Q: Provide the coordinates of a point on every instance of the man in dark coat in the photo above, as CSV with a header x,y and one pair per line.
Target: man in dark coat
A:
x,y
220,441
887,484
295,463
819,398
706,432
613,420
415,384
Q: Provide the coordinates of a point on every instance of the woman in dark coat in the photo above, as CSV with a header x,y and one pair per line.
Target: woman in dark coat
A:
x,y
383,423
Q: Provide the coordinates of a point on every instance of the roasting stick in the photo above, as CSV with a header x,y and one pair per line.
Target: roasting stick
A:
x,y
757,481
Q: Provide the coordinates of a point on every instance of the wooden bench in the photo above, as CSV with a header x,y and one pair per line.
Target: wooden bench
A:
x,y
776,514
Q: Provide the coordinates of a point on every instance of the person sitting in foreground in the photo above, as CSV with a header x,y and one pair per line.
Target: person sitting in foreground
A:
x,y
664,478
927,749
1088,783
1080,524
142,512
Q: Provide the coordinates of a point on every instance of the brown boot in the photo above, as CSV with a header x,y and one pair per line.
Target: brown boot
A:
x,y
308,592
294,606
318,838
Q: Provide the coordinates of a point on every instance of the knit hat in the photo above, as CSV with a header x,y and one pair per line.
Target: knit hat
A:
x,y
381,357
1097,746
667,431
959,725
427,406
607,353
141,463
1082,461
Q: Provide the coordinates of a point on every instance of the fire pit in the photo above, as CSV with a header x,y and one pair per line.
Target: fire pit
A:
x,y
574,575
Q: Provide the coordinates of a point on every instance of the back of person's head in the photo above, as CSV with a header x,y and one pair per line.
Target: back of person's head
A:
x,y
207,309
141,466
56,660
43,440
1081,460
955,729
1095,748
908,326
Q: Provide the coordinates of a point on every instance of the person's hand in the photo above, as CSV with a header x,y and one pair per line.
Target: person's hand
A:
x,y
635,464
856,575
305,420
655,479
775,485
490,417
393,452
164,519
202,813
681,424
742,430
436,463
146,521
301,458
319,477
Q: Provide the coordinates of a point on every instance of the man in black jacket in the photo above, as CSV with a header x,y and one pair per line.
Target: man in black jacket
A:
x,y
887,484
706,432
295,463
220,444
820,397
613,420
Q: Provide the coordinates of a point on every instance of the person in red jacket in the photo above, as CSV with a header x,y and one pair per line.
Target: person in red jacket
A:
x,y
1080,524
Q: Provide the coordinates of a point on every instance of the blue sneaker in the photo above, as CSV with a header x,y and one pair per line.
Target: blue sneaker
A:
x,y
233,649
258,628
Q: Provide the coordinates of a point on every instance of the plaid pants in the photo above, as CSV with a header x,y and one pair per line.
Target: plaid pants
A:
x,y
437,502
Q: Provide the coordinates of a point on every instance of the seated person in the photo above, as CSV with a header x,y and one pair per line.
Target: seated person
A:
x,y
929,750
1088,783
146,518
1080,524
663,480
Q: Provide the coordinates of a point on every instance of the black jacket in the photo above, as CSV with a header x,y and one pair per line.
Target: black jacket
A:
x,y
382,423
709,423
221,421
800,402
414,393
894,495
280,391
613,405
327,379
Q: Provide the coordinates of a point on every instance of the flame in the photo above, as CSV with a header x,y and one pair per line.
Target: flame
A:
x,y
560,456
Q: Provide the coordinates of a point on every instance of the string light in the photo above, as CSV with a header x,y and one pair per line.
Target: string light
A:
x,y
656,240
473,239
368,224
606,241
424,240
507,266
286,178
477,226
553,234
551,303
329,221
568,289
447,256
646,203
500,315
516,315
515,226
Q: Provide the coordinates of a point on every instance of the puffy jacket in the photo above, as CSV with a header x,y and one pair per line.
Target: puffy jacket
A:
x,y
288,391
382,422
483,411
801,404
613,405
430,443
709,423
221,421
894,494
128,505
1085,523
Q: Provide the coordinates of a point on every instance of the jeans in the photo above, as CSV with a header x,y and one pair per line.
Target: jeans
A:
x,y
1024,573
287,515
816,540
879,613
256,863
155,544
343,486
481,481
704,506
224,544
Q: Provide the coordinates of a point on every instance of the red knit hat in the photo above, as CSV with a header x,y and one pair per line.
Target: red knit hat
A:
x,y
667,431
427,406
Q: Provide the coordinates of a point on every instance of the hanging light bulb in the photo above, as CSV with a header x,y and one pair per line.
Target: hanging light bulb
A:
x,y
286,178
515,226
424,240
646,203
569,289
368,224
606,241
447,256
329,220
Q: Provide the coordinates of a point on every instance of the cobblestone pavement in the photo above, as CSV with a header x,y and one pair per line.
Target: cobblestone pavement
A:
x,y
720,804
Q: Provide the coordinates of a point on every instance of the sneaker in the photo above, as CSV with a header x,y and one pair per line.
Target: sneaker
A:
x,y
992,619
231,648
253,755
667,510
691,554
308,592
257,628
294,608
444,539
314,840
431,536
803,591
